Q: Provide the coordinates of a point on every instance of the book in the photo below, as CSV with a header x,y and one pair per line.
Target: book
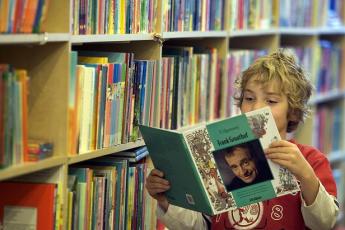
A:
x,y
27,205
204,175
133,155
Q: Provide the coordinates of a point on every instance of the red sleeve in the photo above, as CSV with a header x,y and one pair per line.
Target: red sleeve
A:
x,y
321,166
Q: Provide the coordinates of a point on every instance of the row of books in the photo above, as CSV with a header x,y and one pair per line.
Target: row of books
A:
x,y
140,16
108,193
323,63
107,99
199,15
190,86
23,16
329,128
184,88
311,13
329,67
249,14
113,16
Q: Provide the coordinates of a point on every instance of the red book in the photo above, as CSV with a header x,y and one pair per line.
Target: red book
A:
x,y
30,195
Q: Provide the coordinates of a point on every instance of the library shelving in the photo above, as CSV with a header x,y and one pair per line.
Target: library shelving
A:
x,y
47,56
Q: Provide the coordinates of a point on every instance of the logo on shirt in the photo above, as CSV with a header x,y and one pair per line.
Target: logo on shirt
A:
x,y
277,212
246,217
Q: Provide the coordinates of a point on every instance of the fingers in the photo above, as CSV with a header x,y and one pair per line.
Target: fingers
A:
x,y
280,143
156,172
155,183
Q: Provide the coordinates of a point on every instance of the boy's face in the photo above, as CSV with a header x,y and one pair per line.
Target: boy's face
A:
x,y
257,95
242,165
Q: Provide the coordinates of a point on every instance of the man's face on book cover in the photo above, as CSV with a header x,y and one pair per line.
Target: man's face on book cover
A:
x,y
242,164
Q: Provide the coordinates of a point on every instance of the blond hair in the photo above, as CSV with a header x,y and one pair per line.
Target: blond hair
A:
x,y
282,66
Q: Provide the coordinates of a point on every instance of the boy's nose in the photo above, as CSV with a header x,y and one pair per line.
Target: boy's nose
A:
x,y
258,105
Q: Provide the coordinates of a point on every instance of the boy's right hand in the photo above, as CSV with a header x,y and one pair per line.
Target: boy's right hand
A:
x,y
156,186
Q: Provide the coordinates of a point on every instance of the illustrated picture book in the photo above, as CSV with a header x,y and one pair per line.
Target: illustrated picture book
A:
x,y
219,166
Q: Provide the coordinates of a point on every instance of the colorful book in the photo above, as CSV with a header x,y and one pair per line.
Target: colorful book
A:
x,y
209,156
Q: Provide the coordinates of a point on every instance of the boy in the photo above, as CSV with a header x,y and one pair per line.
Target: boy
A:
x,y
277,81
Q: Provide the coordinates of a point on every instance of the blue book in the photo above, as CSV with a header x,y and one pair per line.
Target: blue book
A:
x,y
134,153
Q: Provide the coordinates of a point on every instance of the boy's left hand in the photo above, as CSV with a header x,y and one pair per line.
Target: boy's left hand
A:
x,y
289,156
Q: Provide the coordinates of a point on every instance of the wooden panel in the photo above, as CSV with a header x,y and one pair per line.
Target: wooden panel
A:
x,y
270,42
58,16
48,69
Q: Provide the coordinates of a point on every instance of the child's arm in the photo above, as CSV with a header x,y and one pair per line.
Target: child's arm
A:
x,y
319,208
172,216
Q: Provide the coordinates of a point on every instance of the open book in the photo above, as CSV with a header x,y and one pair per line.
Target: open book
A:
x,y
218,166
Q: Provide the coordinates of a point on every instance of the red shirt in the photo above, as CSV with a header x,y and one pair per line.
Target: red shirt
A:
x,y
282,212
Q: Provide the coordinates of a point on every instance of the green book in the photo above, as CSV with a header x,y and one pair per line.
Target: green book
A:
x,y
219,166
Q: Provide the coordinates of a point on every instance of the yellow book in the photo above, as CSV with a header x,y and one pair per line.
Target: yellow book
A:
x,y
70,210
122,16
275,13
58,209
111,17
91,204
92,60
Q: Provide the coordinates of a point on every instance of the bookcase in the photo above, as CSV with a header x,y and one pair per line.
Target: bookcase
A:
x,y
47,58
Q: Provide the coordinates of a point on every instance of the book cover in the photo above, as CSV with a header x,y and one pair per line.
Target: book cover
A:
x,y
30,205
219,166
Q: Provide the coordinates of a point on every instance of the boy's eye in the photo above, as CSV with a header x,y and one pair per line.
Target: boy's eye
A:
x,y
271,101
248,98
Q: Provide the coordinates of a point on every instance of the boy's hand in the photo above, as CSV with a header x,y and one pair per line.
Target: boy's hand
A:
x,y
156,186
289,156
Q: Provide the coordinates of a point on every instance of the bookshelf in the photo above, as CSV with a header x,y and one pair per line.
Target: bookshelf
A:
x,y
46,56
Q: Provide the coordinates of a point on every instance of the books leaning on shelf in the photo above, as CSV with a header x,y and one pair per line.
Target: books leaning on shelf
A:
x,y
13,115
39,149
202,162
133,155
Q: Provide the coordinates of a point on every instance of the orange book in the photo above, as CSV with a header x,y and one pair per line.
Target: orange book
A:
x,y
29,16
4,11
34,200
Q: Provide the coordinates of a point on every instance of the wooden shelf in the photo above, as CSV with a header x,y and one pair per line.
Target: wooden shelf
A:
x,y
252,33
104,152
332,31
327,96
336,156
33,38
300,31
101,38
30,167
194,34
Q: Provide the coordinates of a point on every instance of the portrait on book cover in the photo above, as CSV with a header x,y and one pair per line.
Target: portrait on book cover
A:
x,y
242,165
201,148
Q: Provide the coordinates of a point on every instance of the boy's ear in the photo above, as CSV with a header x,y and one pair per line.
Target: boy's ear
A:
x,y
293,120
294,115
